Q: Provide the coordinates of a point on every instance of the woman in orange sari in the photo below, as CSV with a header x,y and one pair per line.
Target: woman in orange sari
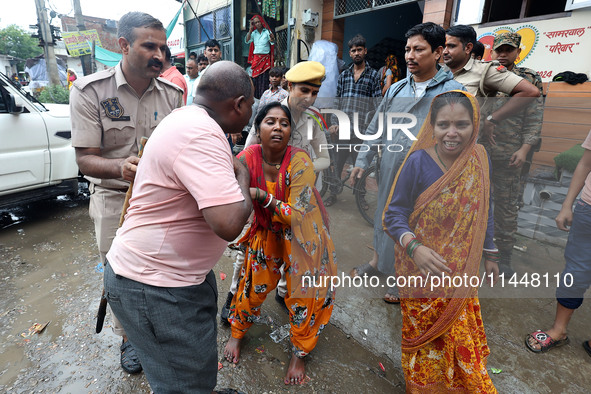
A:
x,y
289,229
439,212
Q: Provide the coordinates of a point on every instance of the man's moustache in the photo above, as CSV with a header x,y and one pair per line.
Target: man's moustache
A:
x,y
155,63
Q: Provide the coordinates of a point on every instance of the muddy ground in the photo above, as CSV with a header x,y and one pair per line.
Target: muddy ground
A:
x,y
48,267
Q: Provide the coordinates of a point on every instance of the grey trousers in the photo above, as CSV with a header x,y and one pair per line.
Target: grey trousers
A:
x,y
173,330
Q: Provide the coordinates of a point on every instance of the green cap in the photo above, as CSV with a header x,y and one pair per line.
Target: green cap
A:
x,y
512,39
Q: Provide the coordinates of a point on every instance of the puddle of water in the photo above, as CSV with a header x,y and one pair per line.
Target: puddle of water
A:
x,y
55,244
337,364
44,269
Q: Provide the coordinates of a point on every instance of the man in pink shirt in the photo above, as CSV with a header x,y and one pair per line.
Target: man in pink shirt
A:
x,y
172,74
576,276
190,197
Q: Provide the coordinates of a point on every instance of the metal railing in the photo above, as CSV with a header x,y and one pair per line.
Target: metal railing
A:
x,y
281,47
344,8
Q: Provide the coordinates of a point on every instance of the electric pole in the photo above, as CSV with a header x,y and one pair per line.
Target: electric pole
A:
x,y
84,59
45,32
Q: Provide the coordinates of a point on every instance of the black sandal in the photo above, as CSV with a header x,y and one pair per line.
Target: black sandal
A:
x,y
587,347
130,362
225,313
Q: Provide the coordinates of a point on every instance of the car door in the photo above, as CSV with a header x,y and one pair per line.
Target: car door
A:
x,y
24,146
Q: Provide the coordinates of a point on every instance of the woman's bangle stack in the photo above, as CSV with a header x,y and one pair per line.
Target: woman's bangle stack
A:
x,y
493,256
268,199
265,201
412,246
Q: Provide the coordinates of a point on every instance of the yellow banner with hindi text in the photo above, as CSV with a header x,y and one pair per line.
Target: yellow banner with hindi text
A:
x,y
77,42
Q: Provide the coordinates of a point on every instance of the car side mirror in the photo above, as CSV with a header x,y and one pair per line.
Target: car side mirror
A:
x,y
17,104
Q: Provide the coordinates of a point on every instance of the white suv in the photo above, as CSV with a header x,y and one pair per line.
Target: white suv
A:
x,y
36,156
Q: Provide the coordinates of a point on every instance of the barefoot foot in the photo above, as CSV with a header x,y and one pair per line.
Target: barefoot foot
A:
x,y
232,350
296,372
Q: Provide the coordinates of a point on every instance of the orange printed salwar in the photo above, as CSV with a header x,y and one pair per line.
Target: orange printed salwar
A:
x,y
444,347
297,238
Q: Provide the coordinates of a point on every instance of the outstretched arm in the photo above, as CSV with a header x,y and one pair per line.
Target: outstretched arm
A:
x,y
565,217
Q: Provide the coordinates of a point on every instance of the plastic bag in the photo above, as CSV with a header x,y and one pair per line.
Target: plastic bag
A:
x,y
326,52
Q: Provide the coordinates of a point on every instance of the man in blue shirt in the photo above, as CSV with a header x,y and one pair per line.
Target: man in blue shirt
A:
x,y
412,96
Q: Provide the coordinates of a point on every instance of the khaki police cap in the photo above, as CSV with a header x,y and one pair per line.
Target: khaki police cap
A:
x,y
512,39
309,72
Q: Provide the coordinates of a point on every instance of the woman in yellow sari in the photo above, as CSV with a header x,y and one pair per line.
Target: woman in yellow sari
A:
x,y
439,213
290,229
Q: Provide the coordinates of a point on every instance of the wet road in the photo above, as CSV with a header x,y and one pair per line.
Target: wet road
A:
x,y
48,266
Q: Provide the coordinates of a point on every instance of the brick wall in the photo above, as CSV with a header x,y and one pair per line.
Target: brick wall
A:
x,y
438,11
567,120
332,30
108,35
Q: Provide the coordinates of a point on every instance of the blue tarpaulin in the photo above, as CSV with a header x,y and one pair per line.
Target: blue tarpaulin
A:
x,y
106,57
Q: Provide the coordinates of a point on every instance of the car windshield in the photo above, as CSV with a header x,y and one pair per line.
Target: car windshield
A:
x,y
28,95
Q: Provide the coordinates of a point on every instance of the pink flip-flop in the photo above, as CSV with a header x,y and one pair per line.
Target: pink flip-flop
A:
x,y
546,342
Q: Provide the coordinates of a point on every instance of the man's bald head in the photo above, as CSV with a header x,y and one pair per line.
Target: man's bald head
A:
x,y
226,92
225,80
192,70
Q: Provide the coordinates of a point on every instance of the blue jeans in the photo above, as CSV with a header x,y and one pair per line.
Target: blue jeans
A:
x,y
173,330
578,259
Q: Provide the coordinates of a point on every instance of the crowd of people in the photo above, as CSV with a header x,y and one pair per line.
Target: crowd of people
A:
x,y
189,196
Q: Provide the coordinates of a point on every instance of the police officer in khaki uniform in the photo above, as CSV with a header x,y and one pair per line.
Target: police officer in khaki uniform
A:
x,y
515,139
484,79
111,111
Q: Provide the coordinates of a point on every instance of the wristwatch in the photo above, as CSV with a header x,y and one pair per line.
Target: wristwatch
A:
x,y
491,120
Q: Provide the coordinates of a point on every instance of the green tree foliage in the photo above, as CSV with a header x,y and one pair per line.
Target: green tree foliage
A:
x,y
15,41
55,94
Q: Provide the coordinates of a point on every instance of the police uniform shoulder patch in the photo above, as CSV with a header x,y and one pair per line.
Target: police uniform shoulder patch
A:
x,y
113,109
82,82
496,65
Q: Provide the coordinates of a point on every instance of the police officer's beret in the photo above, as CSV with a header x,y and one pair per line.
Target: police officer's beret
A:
x,y
309,72
512,39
